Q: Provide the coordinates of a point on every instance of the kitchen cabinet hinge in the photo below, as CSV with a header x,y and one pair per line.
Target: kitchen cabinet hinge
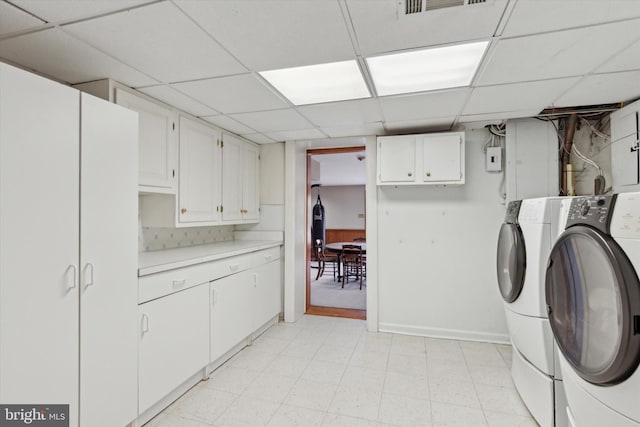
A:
x,y
222,144
173,173
174,126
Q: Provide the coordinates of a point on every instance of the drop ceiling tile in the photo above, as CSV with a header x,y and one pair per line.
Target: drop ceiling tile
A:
x,y
13,19
258,138
229,124
602,89
344,113
273,121
233,94
381,26
423,105
516,96
552,55
530,17
627,60
296,135
419,126
54,53
179,100
160,41
65,10
354,130
266,35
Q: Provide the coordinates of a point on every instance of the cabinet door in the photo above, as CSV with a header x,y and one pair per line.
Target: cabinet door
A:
x,y
267,293
108,264
230,312
157,142
442,158
232,179
396,159
173,342
251,184
624,161
200,177
39,244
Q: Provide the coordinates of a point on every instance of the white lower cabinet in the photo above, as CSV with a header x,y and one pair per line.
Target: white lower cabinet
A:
x,y
267,293
185,329
173,342
230,314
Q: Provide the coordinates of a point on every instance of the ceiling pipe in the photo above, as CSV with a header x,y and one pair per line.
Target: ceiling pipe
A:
x,y
570,131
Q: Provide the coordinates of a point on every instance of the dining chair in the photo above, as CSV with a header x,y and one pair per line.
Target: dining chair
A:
x,y
324,258
352,263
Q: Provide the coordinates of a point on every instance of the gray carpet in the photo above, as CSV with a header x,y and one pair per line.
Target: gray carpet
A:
x,y
327,293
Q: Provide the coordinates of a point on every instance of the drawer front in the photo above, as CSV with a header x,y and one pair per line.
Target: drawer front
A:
x,y
265,256
227,266
167,282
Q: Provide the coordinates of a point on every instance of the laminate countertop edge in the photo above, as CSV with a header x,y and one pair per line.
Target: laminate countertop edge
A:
x,y
169,259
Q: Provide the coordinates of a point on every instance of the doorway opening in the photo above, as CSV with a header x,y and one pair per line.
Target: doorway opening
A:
x,y
336,277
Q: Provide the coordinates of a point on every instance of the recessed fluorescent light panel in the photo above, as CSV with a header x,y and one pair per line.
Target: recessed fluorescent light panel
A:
x,y
313,84
423,70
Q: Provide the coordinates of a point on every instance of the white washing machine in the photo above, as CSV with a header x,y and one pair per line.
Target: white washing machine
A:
x,y
525,240
593,297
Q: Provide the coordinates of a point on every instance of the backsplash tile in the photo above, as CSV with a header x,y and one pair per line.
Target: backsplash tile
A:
x,y
155,239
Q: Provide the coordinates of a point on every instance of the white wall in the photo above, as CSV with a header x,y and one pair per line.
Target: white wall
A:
x,y
436,255
343,206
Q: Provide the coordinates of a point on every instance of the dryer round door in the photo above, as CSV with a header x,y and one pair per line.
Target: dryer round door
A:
x,y
511,261
593,299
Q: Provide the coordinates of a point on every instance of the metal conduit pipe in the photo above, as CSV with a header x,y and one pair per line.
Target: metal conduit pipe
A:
x,y
566,152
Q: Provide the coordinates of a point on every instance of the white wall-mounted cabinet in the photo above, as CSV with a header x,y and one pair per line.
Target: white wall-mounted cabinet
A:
x,y
200,188
157,142
158,134
240,174
67,287
625,152
425,159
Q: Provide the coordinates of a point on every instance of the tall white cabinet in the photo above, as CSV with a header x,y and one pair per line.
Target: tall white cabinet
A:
x,y
68,260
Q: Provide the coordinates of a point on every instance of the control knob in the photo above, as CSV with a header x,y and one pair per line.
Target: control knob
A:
x,y
584,208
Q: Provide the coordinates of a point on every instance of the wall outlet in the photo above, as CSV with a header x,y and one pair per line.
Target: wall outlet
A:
x,y
494,159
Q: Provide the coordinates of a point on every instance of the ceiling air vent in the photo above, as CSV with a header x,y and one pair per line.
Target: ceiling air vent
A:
x,y
419,6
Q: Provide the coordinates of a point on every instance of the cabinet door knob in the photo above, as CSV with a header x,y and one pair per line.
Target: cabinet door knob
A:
x,y
409,174
428,173
183,210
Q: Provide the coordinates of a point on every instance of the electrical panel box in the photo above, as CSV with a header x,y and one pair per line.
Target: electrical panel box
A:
x,y
494,159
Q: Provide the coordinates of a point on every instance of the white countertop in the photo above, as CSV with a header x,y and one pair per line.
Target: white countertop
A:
x,y
157,261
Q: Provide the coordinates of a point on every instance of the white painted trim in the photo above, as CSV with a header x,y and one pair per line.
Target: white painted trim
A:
x,y
443,333
290,287
371,194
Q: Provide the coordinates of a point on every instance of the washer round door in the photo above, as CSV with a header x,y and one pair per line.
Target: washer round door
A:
x,y
511,261
593,299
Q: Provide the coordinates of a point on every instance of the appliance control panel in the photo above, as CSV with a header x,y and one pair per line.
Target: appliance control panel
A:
x,y
594,211
513,209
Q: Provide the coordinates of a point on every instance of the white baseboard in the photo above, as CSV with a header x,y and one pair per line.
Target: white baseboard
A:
x,y
454,334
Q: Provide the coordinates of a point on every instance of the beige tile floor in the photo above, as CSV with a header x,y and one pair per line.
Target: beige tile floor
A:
x,y
324,371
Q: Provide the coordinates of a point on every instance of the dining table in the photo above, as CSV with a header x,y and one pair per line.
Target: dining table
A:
x,y
337,247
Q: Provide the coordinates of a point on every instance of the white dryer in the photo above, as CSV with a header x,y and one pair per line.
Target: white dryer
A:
x,y
593,297
525,240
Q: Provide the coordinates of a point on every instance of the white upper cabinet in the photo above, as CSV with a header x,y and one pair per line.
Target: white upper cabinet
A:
x,y
396,159
200,187
625,137
436,158
157,142
240,172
